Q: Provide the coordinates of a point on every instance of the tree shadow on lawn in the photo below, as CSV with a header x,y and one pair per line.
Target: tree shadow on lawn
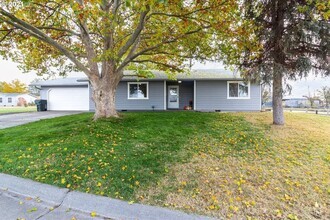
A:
x,y
118,157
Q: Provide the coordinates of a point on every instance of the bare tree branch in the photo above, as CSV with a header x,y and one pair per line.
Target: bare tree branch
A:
x,y
135,35
6,35
91,54
58,29
87,42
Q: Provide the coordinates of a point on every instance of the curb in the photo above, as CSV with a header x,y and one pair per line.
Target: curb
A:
x,y
104,207
51,195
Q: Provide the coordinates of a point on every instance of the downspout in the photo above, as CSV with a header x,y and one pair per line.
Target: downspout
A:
x,y
195,95
165,95
260,88
89,98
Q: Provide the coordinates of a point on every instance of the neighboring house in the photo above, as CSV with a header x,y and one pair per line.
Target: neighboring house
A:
x,y
268,104
294,102
202,90
16,99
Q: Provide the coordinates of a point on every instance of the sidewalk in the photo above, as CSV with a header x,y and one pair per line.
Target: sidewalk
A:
x,y
25,199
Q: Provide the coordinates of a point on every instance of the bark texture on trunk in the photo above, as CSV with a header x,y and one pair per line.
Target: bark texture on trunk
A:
x,y
278,117
277,14
104,95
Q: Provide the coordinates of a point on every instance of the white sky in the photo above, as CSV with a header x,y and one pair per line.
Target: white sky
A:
x,y
9,72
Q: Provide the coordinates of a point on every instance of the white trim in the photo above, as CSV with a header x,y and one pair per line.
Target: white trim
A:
x,y
260,96
178,89
89,98
249,86
48,91
129,83
195,87
165,95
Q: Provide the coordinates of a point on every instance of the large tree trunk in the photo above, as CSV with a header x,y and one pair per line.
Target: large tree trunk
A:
x,y
278,117
277,13
104,95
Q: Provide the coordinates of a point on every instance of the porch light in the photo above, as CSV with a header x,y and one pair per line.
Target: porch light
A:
x,y
180,81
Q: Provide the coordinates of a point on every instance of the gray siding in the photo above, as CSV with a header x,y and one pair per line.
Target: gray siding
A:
x,y
156,98
212,95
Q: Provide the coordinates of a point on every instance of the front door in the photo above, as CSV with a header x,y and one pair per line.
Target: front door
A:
x,y
173,97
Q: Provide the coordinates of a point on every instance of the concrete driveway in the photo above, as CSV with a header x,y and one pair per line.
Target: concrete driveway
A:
x,y
11,120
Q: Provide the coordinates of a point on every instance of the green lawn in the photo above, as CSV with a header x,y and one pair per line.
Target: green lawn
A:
x,y
6,110
218,164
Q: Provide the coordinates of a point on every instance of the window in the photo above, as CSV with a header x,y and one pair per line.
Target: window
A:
x,y
10,100
0,100
138,90
238,90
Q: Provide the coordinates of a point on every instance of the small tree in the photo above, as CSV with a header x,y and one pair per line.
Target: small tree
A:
x,y
311,99
324,94
15,86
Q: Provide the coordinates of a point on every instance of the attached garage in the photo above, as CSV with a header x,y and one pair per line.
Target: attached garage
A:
x,y
64,99
68,94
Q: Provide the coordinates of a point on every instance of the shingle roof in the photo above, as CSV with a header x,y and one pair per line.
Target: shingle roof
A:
x,y
70,81
206,74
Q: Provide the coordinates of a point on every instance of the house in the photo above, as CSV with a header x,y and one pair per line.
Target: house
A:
x,y
202,90
16,99
300,102
295,102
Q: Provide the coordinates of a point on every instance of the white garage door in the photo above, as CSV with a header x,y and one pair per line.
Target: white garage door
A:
x,y
68,99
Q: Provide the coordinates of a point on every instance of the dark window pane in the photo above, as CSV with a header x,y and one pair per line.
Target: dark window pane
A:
x,y
138,91
133,90
243,90
142,91
233,89
9,100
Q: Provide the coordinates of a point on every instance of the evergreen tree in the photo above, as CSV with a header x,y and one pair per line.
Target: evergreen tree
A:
x,y
294,41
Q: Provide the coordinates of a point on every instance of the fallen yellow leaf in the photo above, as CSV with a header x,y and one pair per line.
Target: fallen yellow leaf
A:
x,y
93,214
